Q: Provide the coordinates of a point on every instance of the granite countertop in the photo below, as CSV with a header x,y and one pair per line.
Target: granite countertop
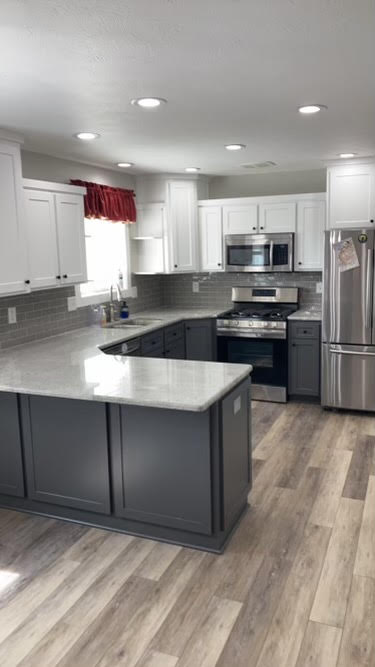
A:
x,y
71,365
307,314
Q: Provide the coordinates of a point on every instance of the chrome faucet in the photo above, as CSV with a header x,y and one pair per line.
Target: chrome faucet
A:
x,y
114,289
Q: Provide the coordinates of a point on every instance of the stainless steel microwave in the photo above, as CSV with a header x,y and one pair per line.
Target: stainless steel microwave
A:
x,y
255,253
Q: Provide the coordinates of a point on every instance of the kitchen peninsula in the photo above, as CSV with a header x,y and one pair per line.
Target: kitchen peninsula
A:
x,y
154,447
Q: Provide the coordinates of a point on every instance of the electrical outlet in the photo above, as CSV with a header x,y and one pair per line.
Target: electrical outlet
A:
x,y
72,303
319,288
12,315
195,286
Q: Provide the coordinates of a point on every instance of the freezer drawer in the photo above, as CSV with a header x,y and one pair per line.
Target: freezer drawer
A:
x,y
348,376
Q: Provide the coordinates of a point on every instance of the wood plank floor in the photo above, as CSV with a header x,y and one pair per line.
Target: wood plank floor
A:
x,y
295,587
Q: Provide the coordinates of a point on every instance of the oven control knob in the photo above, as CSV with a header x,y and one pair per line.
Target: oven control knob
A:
x,y
236,323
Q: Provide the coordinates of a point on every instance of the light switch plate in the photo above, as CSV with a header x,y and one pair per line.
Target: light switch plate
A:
x,y
12,315
195,286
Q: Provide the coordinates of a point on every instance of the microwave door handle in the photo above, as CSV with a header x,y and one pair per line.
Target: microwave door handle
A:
x,y
271,255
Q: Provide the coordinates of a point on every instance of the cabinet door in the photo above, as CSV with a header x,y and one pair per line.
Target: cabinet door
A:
x,y
13,262
310,235
66,452
199,340
211,238
42,239
71,238
304,367
166,480
182,222
351,196
277,218
11,466
240,219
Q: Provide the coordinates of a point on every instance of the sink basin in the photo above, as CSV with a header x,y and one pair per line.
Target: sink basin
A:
x,y
132,322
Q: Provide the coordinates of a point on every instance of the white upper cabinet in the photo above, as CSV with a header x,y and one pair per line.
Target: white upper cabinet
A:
x,y
211,238
13,265
277,217
182,225
148,246
42,239
55,234
240,218
311,224
71,238
351,195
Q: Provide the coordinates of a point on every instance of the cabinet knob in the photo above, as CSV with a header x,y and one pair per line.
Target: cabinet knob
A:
x,y
372,221
300,263
219,263
254,228
58,277
65,275
176,266
262,227
293,345
27,282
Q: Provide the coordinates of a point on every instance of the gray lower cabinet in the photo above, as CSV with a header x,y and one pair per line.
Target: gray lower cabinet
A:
x,y
168,483
66,452
175,349
236,454
200,340
304,359
11,465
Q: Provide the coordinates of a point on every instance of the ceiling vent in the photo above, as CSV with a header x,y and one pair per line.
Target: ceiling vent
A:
x,y
259,165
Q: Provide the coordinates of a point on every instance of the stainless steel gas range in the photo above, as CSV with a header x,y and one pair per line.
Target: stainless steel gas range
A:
x,y
255,332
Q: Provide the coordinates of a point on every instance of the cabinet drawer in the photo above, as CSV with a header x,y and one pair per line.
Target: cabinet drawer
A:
x,y
152,341
176,350
171,334
155,352
304,329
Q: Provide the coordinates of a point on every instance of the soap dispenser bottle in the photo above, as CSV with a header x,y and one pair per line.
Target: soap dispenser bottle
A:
x,y
124,311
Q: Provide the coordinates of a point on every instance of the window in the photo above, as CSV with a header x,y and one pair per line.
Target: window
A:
x,y
107,252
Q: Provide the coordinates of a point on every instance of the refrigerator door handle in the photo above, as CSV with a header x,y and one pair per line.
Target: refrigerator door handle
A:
x,y
352,352
368,289
271,255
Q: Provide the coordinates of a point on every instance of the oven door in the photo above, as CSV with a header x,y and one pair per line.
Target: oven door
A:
x,y
248,253
269,359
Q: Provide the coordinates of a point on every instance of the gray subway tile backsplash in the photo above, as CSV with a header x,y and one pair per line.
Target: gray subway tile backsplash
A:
x,y
45,313
215,288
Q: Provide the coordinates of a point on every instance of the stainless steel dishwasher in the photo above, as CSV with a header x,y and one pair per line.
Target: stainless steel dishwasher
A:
x,y
130,348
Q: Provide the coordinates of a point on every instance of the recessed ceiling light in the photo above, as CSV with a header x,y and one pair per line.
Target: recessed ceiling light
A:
x,y
192,169
235,147
347,155
312,108
149,102
124,165
87,136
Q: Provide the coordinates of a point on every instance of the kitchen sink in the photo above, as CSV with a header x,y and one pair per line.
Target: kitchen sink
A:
x,y
132,322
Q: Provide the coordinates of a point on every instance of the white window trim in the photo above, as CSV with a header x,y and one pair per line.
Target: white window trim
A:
x,y
102,297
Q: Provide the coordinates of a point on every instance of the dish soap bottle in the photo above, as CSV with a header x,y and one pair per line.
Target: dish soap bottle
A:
x,y
124,311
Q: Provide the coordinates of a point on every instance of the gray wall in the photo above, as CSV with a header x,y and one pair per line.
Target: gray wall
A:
x,y
272,183
47,168
215,288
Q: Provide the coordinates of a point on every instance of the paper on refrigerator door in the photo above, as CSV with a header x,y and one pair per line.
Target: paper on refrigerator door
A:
x,y
346,253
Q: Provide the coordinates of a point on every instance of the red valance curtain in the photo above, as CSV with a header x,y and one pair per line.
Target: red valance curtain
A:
x,y
102,201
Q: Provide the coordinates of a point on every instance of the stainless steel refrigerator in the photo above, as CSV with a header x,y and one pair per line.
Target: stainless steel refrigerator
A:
x,y
348,334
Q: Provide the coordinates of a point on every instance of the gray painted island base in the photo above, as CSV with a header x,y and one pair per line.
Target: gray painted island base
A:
x,y
171,475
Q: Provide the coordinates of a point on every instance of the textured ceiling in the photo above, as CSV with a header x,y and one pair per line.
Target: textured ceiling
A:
x,y
232,71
